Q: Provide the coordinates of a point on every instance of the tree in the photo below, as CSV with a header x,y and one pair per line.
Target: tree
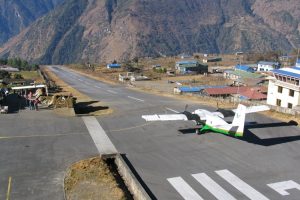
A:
x,y
4,74
18,76
136,60
3,61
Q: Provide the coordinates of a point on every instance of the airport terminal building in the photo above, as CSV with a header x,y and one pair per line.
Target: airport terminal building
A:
x,y
284,89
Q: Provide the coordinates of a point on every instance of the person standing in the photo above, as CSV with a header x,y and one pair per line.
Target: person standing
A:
x,y
30,100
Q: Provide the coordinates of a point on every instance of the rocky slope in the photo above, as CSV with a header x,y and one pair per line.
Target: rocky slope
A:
x,y
15,15
103,30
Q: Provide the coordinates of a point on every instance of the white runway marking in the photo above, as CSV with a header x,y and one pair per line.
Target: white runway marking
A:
x,y
141,100
175,111
98,87
184,189
281,187
101,140
110,91
80,79
239,184
213,187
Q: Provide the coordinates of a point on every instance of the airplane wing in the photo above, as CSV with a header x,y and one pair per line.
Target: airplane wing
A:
x,y
166,117
254,109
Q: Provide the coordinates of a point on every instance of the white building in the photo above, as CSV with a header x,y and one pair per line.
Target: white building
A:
x,y
298,63
284,89
264,66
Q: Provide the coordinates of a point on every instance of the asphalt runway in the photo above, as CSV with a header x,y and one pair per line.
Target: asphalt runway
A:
x,y
175,163
36,148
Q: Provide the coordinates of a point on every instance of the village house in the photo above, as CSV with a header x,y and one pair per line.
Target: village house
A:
x,y
264,66
113,66
190,66
246,68
284,88
241,77
246,93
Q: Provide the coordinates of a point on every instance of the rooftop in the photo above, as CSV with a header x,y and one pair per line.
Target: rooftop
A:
x,y
199,88
251,92
244,68
252,95
114,65
225,91
187,62
244,74
292,72
267,63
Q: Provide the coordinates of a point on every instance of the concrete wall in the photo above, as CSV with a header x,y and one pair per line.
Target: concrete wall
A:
x,y
285,98
134,186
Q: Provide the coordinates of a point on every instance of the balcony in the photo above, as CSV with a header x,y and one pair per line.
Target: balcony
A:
x,y
287,85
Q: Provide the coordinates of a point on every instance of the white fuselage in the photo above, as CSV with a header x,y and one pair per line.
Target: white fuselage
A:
x,y
204,113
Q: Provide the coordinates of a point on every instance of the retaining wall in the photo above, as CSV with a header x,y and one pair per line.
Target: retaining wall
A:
x,y
130,179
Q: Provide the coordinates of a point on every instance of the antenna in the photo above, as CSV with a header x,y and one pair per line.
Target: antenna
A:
x,y
297,56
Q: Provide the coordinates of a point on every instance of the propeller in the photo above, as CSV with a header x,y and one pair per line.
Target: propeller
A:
x,y
186,107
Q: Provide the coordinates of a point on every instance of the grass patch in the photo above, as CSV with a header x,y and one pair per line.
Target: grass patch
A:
x,y
94,178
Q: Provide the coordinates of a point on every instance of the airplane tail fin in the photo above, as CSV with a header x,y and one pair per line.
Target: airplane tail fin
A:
x,y
238,122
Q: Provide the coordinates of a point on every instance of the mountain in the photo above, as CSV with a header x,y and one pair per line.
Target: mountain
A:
x,y
15,15
104,30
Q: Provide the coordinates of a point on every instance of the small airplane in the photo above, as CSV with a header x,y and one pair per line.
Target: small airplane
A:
x,y
213,121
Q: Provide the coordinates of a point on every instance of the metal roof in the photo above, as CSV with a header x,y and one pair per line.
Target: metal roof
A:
x,y
114,65
293,72
199,88
244,68
187,62
244,74
267,63
252,95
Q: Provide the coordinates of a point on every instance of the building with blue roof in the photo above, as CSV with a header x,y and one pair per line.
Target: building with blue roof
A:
x,y
265,66
195,89
246,68
284,89
113,66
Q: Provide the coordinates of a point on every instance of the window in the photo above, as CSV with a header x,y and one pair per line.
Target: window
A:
x,y
278,102
292,93
290,105
279,89
284,79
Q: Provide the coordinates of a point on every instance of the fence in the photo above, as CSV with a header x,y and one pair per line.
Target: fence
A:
x,y
234,100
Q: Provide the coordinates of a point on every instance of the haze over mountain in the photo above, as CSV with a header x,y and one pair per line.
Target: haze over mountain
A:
x,y
104,30
15,15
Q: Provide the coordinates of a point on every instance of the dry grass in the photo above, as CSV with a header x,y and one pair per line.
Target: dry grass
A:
x,y
100,73
33,75
92,179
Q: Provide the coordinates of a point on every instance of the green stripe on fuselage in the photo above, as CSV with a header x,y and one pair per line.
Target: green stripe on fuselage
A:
x,y
222,131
